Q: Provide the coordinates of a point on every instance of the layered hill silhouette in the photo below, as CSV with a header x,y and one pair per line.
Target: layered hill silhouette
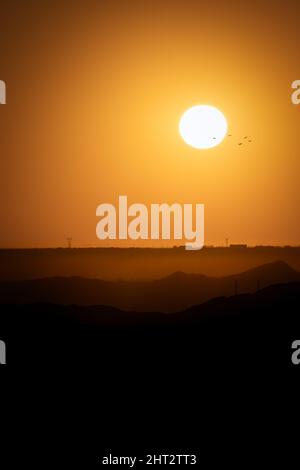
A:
x,y
242,332
173,293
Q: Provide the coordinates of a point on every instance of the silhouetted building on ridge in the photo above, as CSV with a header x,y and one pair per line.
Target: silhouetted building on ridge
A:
x,y
238,246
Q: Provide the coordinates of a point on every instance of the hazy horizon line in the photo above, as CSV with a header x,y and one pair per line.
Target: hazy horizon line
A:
x,y
176,247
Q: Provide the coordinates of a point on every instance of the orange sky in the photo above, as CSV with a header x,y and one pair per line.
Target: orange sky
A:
x,y
95,91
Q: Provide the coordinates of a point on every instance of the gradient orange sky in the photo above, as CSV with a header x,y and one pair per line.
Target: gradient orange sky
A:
x,y
95,91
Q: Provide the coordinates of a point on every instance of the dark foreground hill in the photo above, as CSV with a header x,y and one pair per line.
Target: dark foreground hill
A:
x,y
255,330
173,293
191,382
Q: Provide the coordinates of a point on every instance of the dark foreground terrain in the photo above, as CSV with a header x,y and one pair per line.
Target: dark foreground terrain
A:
x,y
107,380
251,331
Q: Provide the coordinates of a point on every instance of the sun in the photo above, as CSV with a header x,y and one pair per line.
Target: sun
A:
x,y
203,126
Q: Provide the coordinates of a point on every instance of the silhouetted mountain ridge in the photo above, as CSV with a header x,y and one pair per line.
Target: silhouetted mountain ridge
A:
x,y
241,334
176,292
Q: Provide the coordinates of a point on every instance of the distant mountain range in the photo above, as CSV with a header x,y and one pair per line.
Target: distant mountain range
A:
x,y
173,293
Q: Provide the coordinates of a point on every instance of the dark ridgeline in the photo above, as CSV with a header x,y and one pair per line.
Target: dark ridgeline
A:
x,y
182,317
170,294
253,332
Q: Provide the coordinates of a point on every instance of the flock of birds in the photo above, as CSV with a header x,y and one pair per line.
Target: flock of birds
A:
x,y
245,140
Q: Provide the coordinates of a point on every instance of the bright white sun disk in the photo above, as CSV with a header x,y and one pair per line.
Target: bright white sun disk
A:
x,y
203,126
